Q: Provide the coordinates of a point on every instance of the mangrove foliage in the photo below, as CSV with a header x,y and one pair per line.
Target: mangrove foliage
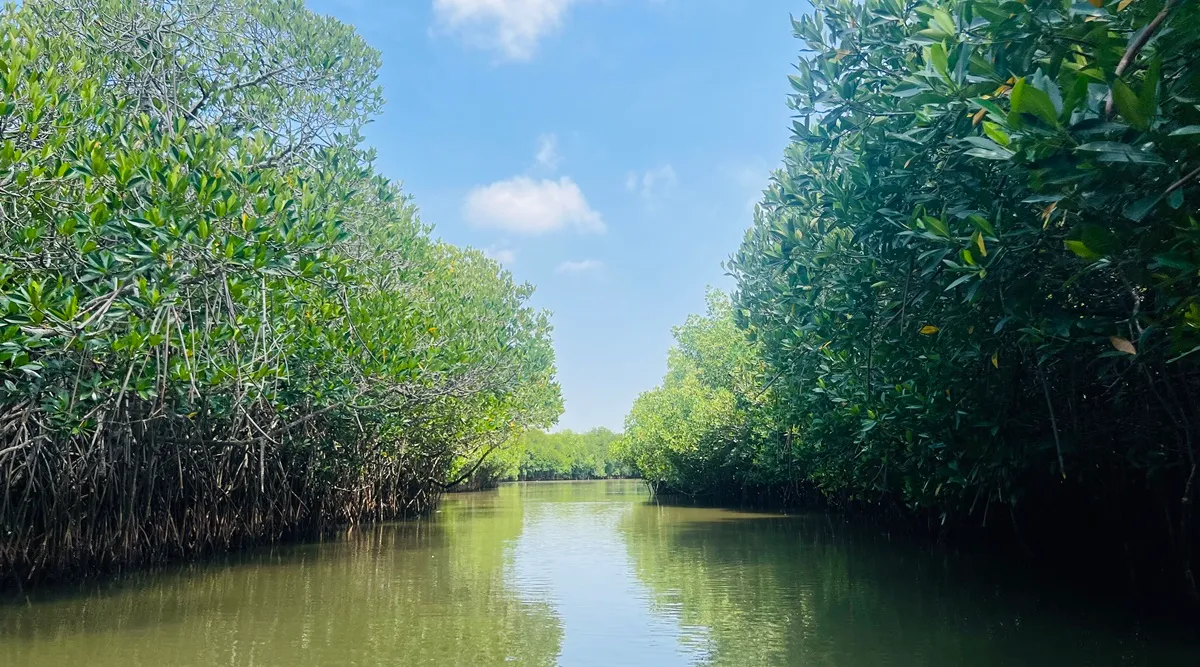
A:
x,y
539,456
971,288
218,324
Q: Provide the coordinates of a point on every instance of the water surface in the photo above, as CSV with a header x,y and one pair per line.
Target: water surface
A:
x,y
589,573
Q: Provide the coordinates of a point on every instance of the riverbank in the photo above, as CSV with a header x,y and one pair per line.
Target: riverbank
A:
x,y
219,325
956,298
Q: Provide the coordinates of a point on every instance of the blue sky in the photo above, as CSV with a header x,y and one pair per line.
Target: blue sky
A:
x,y
607,151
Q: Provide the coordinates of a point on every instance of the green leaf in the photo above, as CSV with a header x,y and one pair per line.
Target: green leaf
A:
x,y
997,134
960,280
1138,210
936,226
1186,130
993,109
944,21
1175,199
1076,96
66,226
1099,238
983,225
1081,249
905,137
939,60
1029,100
1148,97
1128,104
1112,151
986,148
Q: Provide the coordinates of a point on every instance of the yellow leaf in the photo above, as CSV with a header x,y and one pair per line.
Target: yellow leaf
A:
x,y
432,330
996,359
1097,3
979,242
1123,4
970,330
978,116
929,330
1122,345
1047,212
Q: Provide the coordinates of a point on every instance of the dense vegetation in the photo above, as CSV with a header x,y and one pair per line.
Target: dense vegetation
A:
x,y
971,288
219,325
538,456
570,455
710,426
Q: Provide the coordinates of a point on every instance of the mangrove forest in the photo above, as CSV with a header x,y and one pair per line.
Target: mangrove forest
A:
x,y
971,291
940,405
220,325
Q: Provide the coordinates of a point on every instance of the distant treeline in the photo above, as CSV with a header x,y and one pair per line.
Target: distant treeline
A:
x,y
971,292
536,455
218,324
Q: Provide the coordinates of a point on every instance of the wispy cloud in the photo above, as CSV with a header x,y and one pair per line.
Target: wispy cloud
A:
x,y
547,153
579,266
513,28
651,182
525,206
505,256
750,176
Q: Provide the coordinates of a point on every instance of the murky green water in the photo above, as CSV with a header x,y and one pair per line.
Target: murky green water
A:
x,y
588,573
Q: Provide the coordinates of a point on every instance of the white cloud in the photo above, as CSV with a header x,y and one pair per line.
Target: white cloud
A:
x,y
523,205
547,153
502,255
579,266
512,27
652,182
750,177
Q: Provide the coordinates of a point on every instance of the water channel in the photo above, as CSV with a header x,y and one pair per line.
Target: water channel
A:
x,y
588,573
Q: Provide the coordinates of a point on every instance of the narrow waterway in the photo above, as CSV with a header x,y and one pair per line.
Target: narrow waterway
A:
x,y
588,573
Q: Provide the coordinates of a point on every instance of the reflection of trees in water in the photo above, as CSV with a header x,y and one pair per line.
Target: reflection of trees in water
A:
x,y
399,594
805,591
568,491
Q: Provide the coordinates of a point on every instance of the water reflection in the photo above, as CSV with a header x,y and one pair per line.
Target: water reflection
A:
x,y
806,590
421,593
587,573
572,554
